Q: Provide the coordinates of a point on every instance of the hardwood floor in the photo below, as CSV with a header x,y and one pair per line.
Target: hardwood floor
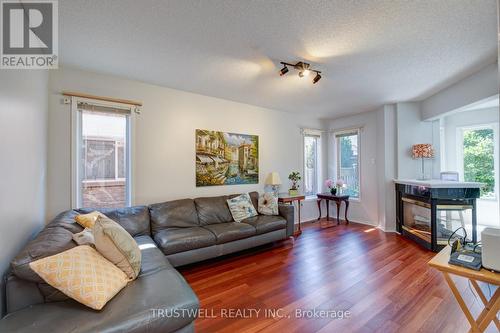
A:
x,y
382,279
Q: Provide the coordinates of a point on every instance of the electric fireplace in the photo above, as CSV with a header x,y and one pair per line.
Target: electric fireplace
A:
x,y
428,212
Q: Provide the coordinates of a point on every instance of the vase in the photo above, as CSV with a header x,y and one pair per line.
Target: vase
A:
x,y
333,191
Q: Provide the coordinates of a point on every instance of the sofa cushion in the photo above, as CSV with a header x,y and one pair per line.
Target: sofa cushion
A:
x,y
133,219
174,240
172,214
266,223
153,259
227,232
213,210
56,237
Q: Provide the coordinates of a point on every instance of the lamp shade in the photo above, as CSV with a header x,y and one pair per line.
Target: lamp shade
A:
x,y
422,150
273,179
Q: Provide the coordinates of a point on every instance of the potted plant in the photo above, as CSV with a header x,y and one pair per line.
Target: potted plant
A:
x,y
294,178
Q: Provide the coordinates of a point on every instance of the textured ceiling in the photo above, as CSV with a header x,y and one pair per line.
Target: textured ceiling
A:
x,y
371,52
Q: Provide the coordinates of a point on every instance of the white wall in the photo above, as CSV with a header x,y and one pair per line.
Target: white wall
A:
x,y
164,142
411,130
476,87
23,143
364,210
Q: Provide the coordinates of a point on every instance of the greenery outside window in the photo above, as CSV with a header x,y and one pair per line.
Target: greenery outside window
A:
x,y
311,145
348,161
477,157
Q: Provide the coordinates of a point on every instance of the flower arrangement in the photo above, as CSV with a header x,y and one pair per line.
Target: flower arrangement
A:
x,y
339,183
336,186
330,185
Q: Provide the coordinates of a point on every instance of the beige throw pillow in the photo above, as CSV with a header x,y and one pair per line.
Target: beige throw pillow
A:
x,y
82,274
268,204
116,245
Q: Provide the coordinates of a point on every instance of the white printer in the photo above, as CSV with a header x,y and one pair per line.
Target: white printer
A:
x,y
490,241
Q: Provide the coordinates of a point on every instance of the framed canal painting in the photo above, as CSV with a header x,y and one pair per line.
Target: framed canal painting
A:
x,y
226,158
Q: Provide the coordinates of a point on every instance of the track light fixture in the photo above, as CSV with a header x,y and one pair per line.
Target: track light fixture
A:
x,y
284,70
316,78
303,68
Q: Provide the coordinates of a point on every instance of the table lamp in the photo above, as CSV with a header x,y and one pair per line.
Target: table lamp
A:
x,y
274,180
422,151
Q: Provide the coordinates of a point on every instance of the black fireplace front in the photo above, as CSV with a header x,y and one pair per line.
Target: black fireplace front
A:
x,y
429,216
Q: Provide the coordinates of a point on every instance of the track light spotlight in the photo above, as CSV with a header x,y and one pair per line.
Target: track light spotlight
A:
x,y
316,78
284,70
303,68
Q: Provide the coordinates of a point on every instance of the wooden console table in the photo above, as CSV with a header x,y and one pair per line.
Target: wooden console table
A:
x,y
338,200
290,199
491,307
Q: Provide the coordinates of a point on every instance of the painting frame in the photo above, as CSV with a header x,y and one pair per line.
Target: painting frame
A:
x,y
226,158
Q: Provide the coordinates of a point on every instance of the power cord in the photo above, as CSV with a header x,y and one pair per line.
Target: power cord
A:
x,y
462,241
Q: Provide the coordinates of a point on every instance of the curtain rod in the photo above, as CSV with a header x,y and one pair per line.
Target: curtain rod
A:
x,y
312,129
101,98
347,129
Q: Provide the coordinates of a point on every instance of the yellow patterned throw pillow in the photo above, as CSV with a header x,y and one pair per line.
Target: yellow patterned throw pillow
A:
x,y
82,274
88,220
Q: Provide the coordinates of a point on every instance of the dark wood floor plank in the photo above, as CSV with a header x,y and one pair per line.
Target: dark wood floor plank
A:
x,y
382,278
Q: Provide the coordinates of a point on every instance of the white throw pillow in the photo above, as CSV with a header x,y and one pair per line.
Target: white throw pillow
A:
x,y
268,204
241,207
84,237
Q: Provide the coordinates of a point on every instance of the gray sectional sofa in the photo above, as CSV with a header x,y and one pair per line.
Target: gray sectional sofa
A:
x,y
169,234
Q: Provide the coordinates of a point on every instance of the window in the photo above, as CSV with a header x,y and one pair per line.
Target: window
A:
x,y
477,157
347,146
101,160
311,164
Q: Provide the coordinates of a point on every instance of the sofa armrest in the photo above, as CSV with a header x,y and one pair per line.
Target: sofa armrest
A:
x,y
288,213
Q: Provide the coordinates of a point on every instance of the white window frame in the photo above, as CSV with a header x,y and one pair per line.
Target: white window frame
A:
x,y
357,131
460,153
76,133
316,181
